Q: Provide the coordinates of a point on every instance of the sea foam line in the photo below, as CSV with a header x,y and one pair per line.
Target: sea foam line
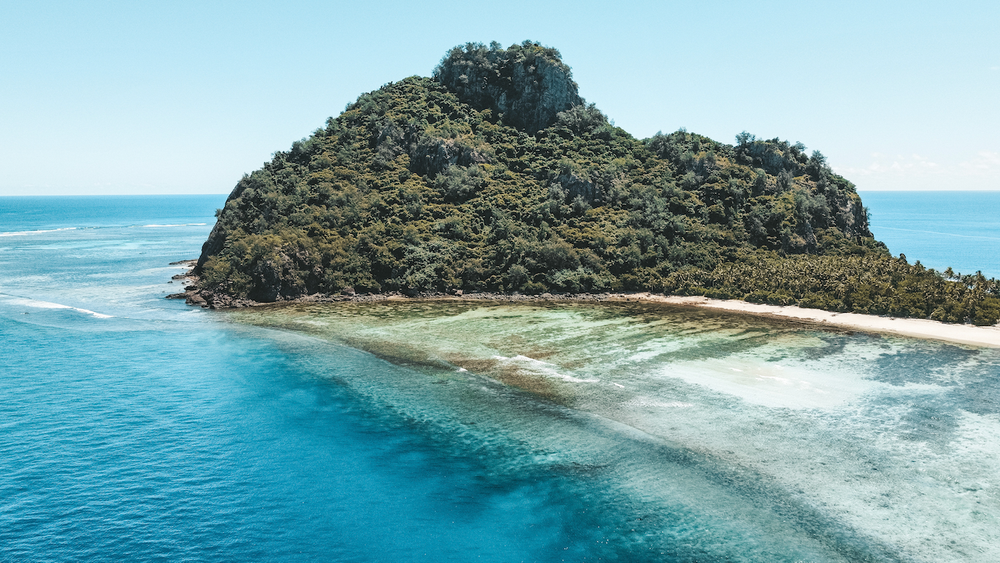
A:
x,y
49,305
180,225
24,233
981,237
543,368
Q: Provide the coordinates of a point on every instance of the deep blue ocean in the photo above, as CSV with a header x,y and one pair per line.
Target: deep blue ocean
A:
x,y
135,428
960,230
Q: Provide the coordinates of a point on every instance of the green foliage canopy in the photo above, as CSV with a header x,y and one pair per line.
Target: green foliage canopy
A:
x,y
494,175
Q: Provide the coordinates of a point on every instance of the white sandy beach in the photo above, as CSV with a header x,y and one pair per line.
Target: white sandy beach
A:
x,y
919,328
968,334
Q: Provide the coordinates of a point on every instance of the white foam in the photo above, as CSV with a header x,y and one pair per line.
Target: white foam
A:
x,y
572,379
49,305
313,323
520,358
544,368
25,233
647,402
178,225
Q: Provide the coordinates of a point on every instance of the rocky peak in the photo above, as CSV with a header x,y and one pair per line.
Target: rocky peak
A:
x,y
526,84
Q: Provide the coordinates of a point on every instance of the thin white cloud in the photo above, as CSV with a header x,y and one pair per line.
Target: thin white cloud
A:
x,y
918,172
899,164
984,162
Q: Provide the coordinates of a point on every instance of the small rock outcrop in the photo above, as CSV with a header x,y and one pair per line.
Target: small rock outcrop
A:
x,y
527,84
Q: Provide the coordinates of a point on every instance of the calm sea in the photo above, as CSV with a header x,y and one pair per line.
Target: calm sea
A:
x,y
139,429
960,230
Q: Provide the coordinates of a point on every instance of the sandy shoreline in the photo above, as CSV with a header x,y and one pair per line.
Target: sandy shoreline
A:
x,y
916,328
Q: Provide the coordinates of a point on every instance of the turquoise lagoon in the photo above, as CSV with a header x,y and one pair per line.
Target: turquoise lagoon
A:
x,y
132,427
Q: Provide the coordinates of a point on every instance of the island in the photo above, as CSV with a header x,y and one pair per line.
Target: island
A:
x,y
493,176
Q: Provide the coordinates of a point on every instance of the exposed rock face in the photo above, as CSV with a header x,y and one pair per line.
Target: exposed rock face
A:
x,y
433,155
212,246
528,83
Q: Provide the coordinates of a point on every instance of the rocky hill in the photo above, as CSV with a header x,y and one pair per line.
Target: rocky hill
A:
x,y
495,175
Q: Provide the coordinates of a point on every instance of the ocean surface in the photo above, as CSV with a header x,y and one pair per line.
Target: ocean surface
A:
x,y
134,428
960,230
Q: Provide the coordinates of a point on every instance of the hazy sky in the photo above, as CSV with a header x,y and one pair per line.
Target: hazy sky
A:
x,y
186,97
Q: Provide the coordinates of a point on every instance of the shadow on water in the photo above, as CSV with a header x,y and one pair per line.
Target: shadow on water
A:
x,y
969,382
833,344
923,363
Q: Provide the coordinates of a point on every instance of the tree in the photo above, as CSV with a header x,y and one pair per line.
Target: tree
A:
x,y
743,139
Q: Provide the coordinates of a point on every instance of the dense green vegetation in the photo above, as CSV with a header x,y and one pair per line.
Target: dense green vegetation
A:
x,y
495,175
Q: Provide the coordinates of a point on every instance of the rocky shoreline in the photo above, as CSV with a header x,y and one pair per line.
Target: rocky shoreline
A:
x,y
211,300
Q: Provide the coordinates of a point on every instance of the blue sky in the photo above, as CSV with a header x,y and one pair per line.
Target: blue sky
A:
x,y
186,97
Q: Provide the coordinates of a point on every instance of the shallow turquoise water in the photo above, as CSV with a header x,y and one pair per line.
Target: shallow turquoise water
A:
x,y
136,428
748,439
